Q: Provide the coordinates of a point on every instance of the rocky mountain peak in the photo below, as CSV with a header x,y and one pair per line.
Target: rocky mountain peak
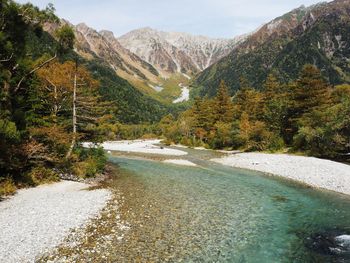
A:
x,y
82,27
107,34
175,51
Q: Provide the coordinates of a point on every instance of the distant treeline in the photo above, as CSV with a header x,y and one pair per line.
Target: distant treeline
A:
x,y
306,115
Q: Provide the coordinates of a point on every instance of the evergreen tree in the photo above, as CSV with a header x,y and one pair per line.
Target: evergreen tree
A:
x,y
276,106
311,92
222,105
249,101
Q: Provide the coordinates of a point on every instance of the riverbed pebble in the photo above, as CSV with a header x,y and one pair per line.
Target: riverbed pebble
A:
x,y
36,220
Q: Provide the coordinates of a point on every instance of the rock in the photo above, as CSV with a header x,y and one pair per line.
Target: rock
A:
x,y
333,242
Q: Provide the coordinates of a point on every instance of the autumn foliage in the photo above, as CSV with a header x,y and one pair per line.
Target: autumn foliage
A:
x,y
306,115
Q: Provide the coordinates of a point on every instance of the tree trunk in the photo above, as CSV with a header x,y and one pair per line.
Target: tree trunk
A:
x,y
74,115
56,105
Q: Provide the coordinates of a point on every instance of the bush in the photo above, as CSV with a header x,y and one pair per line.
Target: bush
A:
x,y
186,141
79,169
7,187
41,175
93,167
276,143
148,136
90,161
88,168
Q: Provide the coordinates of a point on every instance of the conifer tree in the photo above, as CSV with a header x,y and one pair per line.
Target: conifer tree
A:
x,y
275,105
223,107
249,101
272,88
311,92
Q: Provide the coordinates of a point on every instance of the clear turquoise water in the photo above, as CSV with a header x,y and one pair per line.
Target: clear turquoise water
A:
x,y
214,213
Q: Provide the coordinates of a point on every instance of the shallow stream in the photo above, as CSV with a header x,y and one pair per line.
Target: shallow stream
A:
x,y
213,213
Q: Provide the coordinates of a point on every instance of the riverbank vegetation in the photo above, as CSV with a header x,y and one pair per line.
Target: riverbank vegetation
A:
x,y
49,102
306,115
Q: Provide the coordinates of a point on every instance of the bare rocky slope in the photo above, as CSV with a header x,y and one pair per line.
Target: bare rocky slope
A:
x,y
104,45
171,52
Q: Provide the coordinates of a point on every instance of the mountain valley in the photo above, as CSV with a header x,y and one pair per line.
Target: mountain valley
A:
x,y
319,35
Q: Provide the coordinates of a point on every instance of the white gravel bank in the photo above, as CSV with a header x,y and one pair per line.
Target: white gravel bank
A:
x,y
36,220
138,146
180,162
315,172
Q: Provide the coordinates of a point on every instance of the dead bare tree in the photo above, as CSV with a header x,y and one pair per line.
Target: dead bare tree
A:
x,y
74,112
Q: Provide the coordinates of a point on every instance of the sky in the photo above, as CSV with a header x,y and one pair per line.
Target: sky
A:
x,y
214,18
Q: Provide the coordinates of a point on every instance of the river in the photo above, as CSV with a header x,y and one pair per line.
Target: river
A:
x,y
185,94
213,213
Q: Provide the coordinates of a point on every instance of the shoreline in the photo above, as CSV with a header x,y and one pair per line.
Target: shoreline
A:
x,y
314,172
44,217
310,171
138,146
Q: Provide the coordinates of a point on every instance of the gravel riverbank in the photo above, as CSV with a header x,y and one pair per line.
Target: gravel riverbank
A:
x,y
138,146
180,162
36,220
315,172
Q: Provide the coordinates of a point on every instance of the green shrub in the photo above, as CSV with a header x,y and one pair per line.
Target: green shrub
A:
x,y
7,187
276,143
42,175
92,167
88,168
79,169
90,161
186,141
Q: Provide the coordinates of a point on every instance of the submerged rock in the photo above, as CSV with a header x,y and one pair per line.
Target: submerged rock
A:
x,y
332,243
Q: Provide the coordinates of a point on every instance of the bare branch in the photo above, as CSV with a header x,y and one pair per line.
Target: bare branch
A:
x,y
48,88
15,67
24,12
7,59
49,81
33,71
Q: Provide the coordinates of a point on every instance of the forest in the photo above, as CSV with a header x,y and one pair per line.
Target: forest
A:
x,y
49,103
307,116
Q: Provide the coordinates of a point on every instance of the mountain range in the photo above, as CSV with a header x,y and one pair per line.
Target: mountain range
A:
x,y
154,62
159,63
319,35
172,52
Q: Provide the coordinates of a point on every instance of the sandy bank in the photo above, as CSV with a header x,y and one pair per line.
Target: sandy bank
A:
x,y
36,220
315,172
139,146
